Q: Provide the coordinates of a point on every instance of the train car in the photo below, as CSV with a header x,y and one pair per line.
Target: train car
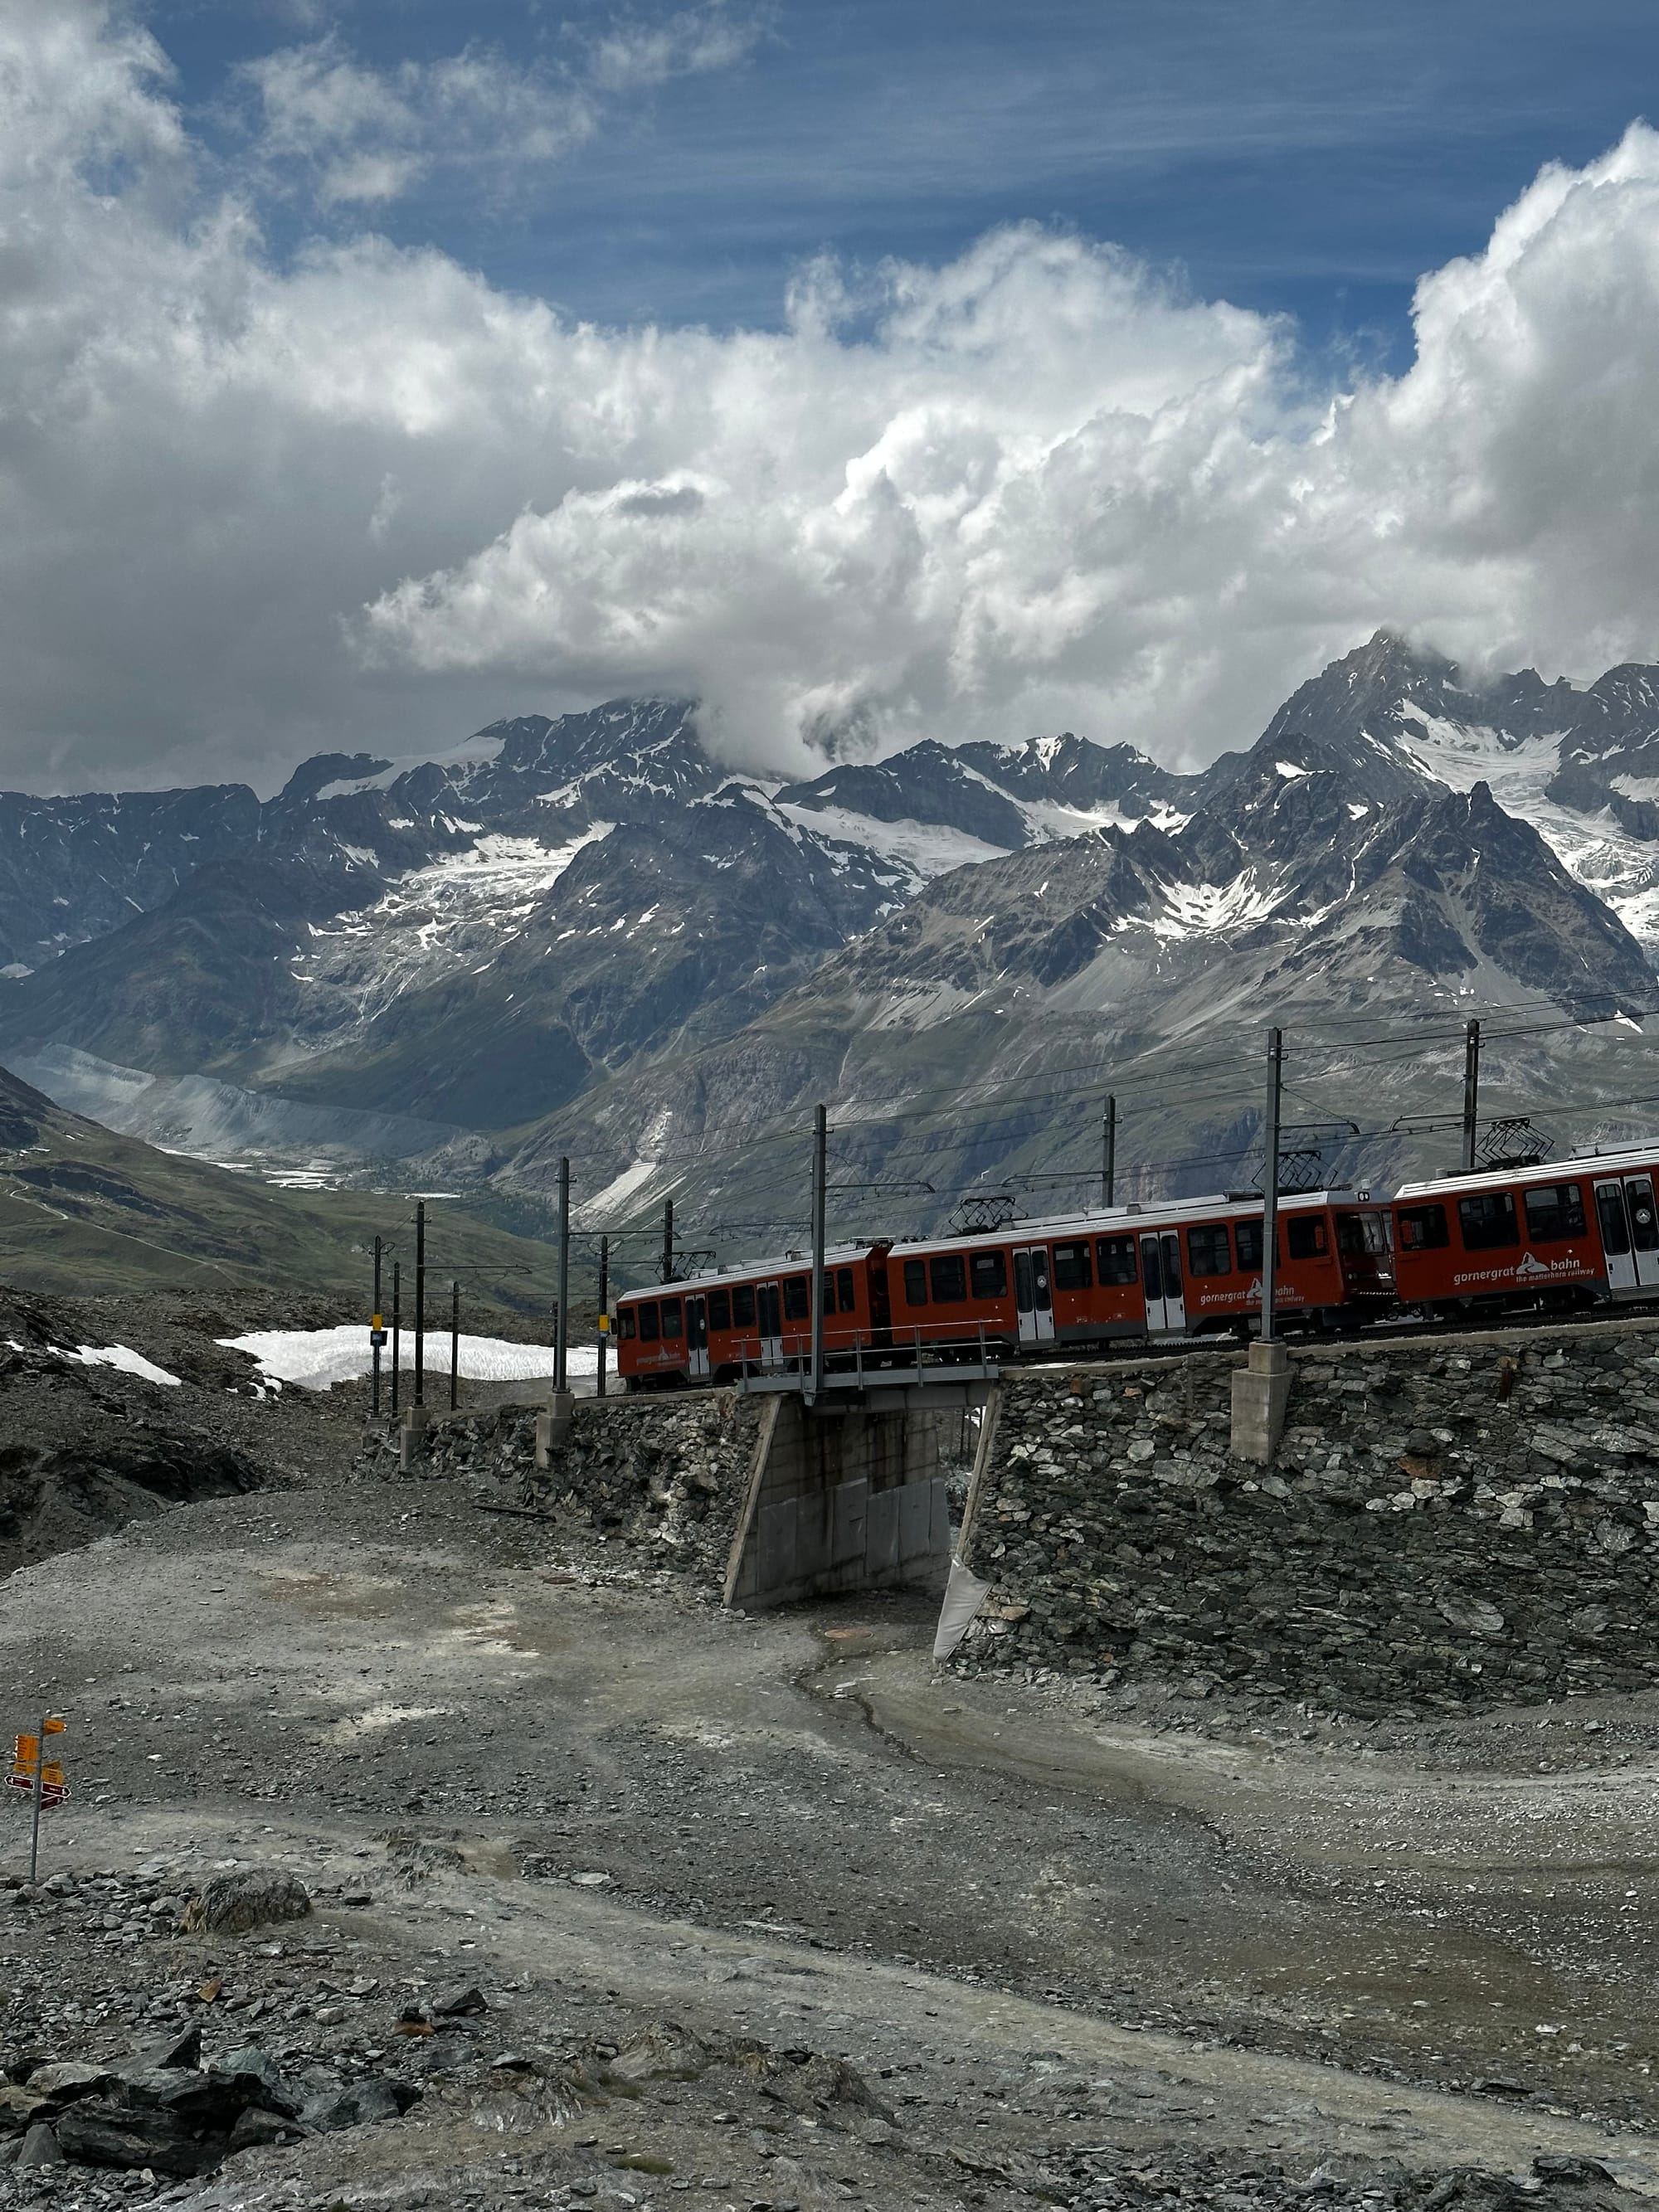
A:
x,y
1128,1274
1564,1233
1145,1273
753,1319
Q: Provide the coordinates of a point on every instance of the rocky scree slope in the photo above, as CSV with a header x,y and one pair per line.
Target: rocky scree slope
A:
x,y
113,1409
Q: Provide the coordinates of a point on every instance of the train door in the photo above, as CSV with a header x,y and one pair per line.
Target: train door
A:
x,y
1160,1280
881,1303
768,1319
1034,1300
696,1338
1630,1233
1615,1224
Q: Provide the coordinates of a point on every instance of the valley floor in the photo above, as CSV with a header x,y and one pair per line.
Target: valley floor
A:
x,y
1070,1954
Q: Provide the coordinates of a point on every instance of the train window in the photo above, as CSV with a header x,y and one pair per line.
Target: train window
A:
x,y
1304,1235
720,1310
1207,1252
1115,1258
988,1274
916,1282
1361,1233
949,1274
671,1317
1488,1220
626,1317
1247,1243
1554,1211
743,1305
1423,1229
1071,1269
650,1326
1615,1224
796,1303
828,1290
848,1296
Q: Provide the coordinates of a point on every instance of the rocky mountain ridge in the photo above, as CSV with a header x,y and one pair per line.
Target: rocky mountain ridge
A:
x,y
588,919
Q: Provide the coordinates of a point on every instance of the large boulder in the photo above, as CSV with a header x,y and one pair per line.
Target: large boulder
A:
x,y
231,1904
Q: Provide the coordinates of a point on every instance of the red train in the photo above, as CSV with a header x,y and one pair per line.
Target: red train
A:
x,y
1124,1275
1564,1233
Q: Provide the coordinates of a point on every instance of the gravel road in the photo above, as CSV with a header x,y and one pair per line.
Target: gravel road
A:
x,y
1060,1942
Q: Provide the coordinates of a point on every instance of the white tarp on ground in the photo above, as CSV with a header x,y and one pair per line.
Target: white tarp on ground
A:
x,y
965,1594
317,1358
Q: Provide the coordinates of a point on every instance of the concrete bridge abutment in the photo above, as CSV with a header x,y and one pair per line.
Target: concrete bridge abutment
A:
x,y
840,1497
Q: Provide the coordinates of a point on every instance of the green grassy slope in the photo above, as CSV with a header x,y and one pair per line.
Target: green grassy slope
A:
x,y
83,1211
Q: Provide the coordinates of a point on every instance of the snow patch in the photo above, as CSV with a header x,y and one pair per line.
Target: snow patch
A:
x,y
317,1358
1596,848
1204,909
923,847
123,1357
1047,818
616,1192
476,752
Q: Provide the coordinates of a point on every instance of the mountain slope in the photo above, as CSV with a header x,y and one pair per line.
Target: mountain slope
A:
x,y
588,919
1575,762
82,1210
969,1039
469,944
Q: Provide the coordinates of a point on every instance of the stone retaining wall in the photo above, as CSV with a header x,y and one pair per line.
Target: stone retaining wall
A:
x,y
669,1478
1447,1521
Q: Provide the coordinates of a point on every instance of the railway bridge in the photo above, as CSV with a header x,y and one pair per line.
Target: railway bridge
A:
x,y
1442,1519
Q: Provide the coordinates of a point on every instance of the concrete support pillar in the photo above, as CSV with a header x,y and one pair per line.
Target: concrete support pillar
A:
x,y
412,1425
553,1427
1261,1391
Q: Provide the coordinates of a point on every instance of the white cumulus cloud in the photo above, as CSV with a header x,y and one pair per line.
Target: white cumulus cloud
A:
x,y
249,508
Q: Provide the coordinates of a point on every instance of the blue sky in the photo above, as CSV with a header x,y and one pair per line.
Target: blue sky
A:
x,y
1310,156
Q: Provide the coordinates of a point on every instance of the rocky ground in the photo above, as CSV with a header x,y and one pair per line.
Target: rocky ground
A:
x,y
763,1912
86,1448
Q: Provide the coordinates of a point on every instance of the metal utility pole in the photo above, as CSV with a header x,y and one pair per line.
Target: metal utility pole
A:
x,y
562,1338
1270,1186
820,1131
668,1239
605,1308
1471,1091
374,1335
420,1302
1108,1153
397,1328
454,1345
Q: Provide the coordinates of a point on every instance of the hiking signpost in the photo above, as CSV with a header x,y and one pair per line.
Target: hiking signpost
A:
x,y
41,1777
